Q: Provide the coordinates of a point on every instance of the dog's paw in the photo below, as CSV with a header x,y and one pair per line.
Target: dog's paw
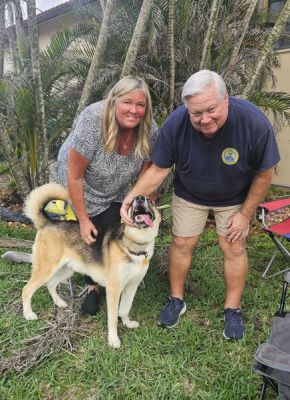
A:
x,y
114,341
30,316
131,324
61,303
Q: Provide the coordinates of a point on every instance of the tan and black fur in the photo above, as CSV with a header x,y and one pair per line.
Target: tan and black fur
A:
x,y
118,260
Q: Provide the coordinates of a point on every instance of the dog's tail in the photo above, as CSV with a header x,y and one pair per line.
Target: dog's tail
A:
x,y
37,200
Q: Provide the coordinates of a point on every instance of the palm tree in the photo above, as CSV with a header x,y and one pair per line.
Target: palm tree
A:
x,y
240,35
40,106
21,38
211,31
136,38
97,58
2,41
12,42
103,5
267,48
171,13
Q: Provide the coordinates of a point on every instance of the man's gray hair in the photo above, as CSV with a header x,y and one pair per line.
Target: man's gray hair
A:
x,y
200,81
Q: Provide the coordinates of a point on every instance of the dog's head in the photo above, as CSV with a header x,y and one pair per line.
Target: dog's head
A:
x,y
144,213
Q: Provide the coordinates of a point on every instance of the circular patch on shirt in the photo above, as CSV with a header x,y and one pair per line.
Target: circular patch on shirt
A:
x,y
230,156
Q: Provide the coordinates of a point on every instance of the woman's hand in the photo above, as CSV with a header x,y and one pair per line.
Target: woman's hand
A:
x,y
87,229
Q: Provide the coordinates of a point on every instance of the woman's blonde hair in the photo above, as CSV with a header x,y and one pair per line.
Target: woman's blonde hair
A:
x,y
110,126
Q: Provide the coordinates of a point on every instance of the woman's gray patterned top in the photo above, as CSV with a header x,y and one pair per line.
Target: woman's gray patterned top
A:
x,y
109,175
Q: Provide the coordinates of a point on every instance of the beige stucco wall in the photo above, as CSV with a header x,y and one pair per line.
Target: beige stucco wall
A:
x,y
46,30
50,27
283,137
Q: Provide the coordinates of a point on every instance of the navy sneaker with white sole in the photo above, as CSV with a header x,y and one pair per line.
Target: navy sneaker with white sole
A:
x,y
169,316
234,324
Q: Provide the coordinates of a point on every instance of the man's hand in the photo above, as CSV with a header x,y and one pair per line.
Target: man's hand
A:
x,y
124,209
238,226
87,228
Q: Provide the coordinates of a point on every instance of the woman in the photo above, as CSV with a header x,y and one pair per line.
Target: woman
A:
x,y
107,149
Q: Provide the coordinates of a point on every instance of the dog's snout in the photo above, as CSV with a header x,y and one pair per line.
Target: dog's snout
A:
x,y
140,199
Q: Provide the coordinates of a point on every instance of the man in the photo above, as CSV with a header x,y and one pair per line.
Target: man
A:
x,y
224,152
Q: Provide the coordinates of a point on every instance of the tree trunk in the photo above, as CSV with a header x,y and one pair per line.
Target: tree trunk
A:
x,y
211,30
136,38
12,43
40,107
245,24
103,5
2,41
272,38
171,17
21,39
97,58
14,164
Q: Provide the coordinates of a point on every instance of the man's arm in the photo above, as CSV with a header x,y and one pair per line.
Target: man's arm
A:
x,y
147,183
239,222
257,192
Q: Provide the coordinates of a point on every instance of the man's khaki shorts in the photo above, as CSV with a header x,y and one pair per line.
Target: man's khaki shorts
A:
x,y
189,219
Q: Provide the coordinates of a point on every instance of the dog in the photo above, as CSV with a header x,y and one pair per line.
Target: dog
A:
x,y
118,260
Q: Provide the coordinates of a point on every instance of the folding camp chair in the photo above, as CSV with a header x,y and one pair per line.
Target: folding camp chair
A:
x,y
272,359
279,232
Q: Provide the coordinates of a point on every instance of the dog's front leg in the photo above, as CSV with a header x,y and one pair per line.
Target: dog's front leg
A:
x,y
127,298
113,297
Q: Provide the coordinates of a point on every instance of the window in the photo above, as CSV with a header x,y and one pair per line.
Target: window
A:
x,y
275,6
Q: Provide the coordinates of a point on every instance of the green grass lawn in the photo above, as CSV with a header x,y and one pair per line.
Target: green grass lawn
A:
x,y
191,361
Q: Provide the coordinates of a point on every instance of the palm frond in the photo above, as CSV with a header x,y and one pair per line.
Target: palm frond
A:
x,y
61,41
276,105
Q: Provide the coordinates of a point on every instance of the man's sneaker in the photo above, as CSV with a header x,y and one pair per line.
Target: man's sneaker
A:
x,y
234,324
170,314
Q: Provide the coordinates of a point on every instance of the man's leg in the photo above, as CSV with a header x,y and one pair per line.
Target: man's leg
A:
x,y
235,274
235,270
188,223
179,261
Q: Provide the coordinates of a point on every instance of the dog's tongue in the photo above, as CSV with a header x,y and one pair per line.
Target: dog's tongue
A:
x,y
144,218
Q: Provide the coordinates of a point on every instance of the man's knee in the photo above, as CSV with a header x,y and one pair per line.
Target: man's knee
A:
x,y
184,244
236,249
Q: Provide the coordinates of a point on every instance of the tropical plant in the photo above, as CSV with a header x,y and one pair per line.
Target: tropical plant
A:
x,y
39,97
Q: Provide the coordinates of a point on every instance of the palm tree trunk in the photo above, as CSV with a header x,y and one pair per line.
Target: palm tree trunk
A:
x,y
136,38
40,107
2,41
272,38
21,39
103,5
245,25
171,16
211,30
12,43
97,58
14,165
